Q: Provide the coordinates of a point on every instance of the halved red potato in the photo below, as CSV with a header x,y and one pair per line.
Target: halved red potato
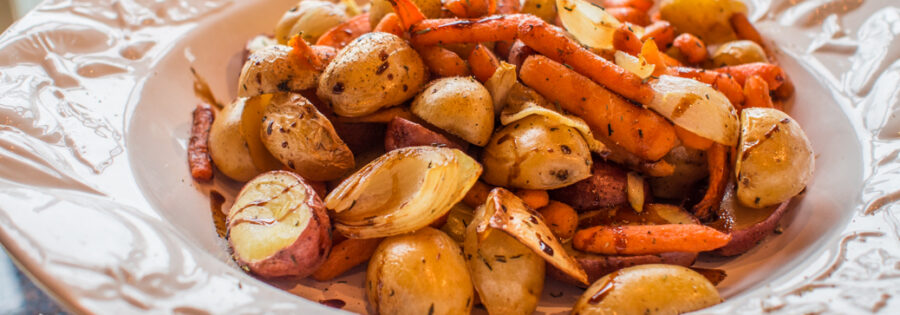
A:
x,y
747,226
278,226
604,188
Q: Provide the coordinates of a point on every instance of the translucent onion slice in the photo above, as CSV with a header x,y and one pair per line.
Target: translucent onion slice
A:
x,y
500,83
589,23
638,66
401,191
697,107
635,189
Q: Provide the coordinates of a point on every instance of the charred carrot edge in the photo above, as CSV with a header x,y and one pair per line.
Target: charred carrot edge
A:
x,y
483,63
442,61
199,160
625,40
408,12
636,129
692,140
535,199
305,53
773,74
744,29
344,256
661,32
630,15
756,93
720,81
390,23
717,162
691,47
649,239
344,33
642,5
477,195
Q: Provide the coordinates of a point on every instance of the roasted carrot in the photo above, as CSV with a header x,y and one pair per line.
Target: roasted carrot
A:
x,y
641,5
720,81
535,199
638,130
691,47
408,12
756,93
649,239
443,62
560,218
625,40
669,61
341,35
390,23
199,160
630,15
477,195
301,50
692,140
483,63
786,90
617,154
744,29
509,6
773,74
470,8
344,256
717,162
661,32
452,31
654,57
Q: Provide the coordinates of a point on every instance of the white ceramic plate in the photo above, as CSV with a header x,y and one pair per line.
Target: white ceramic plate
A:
x,y
97,204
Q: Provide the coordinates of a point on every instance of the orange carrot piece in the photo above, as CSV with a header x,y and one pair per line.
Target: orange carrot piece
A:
x,y
455,31
691,47
717,162
199,160
442,61
773,74
661,32
744,29
654,57
408,12
669,61
301,49
786,90
390,23
470,8
341,35
630,15
756,93
560,218
483,63
625,40
534,198
552,42
636,129
642,5
344,256
477,195
509,6
692,140
649,239
720,81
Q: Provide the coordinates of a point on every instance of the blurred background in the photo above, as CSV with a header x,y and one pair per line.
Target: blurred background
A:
x,y
18,295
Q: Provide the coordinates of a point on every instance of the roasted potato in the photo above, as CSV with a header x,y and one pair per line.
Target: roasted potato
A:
x,y
737,53
707,19
419,273
274,69
431,8
536,153
310,19
403,133
544,9
508,276
278,226
775,159
302,138
648,289
234,143
458,105
604,188
375,71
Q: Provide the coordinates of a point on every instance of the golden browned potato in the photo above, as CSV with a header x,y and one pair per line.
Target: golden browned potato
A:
x,y
738,52
278,226
544,9
375,71
707,19
536,153
458,105
310,19
234,143
419,273
302,138
508,276
273,69
775,159
380,8
648,289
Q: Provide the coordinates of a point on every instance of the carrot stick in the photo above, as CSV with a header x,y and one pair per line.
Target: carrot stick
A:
x,y
483,63
455,31
553,43
341,35
198,147
717,162
344,256
642,5
477,195
773,74
756,93
720,81
692,140
408,12
745,29
625,40
300,49
390,23
630,15
661,32
442,61
649,239
691,47
638,130
534,198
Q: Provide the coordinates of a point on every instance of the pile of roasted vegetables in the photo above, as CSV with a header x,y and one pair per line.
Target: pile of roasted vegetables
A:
x,y
475,146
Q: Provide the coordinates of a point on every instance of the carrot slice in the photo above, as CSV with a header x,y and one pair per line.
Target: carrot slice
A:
x,y
773,74
534,198
301,49
408,12
442,61
691,47
692,140
390,23
483,63
661,32
344,256
341,35
744,29
625,40
649,239
756,93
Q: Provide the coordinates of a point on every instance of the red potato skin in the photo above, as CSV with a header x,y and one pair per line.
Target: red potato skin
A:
x,y
745,239
604,188
308,252
199,160
597,266
403,133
